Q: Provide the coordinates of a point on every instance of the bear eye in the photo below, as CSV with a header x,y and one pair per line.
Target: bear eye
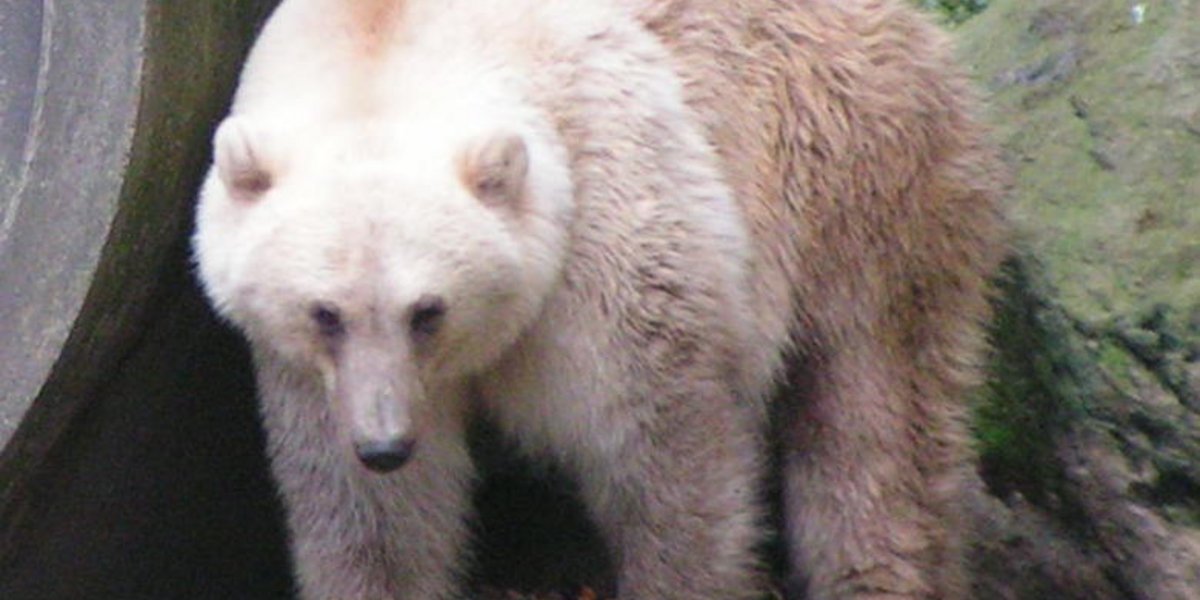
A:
x,y
426,316
328,320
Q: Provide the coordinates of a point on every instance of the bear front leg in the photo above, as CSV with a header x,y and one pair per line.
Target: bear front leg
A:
x,y
355,533
395,536
678,497
873,466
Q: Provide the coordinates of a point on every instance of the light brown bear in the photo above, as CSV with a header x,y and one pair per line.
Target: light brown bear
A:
x,y
620,228
872,195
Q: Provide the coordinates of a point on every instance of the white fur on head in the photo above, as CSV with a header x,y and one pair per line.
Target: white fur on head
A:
x,y
239,162
495,168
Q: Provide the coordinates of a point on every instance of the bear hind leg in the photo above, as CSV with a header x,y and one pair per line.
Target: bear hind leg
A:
x,y
873,462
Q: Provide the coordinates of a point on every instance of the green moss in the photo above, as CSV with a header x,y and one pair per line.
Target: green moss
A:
x,y
1115,360
1176,490
1026,398
1098,113
1097,117
954,11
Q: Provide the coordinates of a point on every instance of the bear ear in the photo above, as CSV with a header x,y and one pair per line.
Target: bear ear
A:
x,y
239,164
494,169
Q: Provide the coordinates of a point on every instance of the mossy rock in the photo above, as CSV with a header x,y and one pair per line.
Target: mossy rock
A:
x,y
1097,105
1089,424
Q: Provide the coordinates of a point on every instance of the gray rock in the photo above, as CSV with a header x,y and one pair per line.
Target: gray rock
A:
x,y
131,459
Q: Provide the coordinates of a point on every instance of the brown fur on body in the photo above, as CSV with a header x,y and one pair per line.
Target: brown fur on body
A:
x,y
828,243
847,134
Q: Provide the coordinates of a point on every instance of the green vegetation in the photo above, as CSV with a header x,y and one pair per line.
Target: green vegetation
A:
x,y
955,11
1031,389
1096,104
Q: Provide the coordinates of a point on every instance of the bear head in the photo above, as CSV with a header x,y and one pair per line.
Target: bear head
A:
x,y
386,258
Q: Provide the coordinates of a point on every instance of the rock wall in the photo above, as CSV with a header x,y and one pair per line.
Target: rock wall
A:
x,y
1089,427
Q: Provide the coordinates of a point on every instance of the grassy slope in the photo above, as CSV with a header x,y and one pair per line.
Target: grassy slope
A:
x,y
1101,118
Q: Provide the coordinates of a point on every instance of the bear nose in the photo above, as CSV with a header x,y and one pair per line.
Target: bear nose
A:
x,y
385,456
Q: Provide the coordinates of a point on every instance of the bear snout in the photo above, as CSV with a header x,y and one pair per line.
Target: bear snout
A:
x,y
387,455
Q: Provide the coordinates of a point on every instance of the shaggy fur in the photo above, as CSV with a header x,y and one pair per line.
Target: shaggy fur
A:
x,y
846,132
638,221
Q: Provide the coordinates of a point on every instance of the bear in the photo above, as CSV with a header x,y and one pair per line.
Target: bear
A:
x,y
874,199
496,206
659,242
